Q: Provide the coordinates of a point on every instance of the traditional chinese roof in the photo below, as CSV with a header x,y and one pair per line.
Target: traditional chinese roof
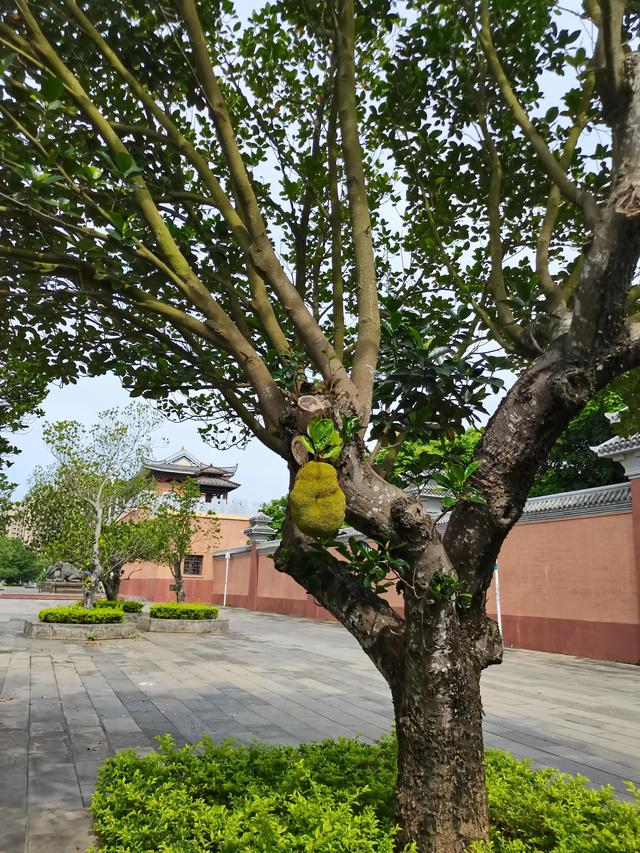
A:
x,y
184,462
601,500
217,481
260,529
615,446
428,490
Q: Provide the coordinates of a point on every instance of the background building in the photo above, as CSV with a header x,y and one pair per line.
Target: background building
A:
x,y
151,580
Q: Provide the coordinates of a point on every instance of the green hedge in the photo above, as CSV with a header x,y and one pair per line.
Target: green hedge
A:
x,y
80,616
331,797
183,611
126,604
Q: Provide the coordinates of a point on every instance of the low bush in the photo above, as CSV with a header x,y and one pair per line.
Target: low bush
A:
x,y
127,604
183,611
75,614
331,797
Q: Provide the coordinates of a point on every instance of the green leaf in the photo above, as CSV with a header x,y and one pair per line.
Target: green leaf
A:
x,y
333,453
308,446
123,161
319,430
471,467
52,89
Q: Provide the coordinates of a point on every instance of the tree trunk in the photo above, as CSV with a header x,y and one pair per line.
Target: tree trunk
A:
x,y
91,589
92,582
111,584
441,801
431,659
177,576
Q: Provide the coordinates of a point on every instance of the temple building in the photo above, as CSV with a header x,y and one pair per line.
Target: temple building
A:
x,y
215,482
224,530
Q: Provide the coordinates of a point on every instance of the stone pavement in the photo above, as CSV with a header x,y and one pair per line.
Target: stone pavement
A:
x,y
65,706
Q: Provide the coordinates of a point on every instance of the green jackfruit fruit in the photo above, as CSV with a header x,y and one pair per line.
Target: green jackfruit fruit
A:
x,y
317,502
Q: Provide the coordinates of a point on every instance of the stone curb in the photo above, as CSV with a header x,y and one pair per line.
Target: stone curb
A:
x,y
131,626
66,631
189,626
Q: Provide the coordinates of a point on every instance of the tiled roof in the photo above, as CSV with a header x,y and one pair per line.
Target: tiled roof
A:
x,y
173,465
598,501
429,490
260,528
601,500
617,445
223,482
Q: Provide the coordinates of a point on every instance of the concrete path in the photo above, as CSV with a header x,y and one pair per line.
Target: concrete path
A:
x,y
64,707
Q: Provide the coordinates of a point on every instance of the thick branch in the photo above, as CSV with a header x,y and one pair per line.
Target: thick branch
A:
x,y
555,171
599,306
612,82
302,227
555,294
507,321
190,285
261,251
262,304
368,338
337,281
370,619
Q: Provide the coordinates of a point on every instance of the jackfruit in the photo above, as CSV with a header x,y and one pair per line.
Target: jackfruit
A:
x,y
317,502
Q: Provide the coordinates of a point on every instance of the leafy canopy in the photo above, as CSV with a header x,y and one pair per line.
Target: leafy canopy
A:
x,y
19,563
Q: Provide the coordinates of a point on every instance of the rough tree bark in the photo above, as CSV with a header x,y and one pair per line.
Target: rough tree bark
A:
x,y
430,659
179,585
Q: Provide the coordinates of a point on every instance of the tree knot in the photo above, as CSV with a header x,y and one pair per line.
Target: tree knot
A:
x,y
411,519
573,386
627,201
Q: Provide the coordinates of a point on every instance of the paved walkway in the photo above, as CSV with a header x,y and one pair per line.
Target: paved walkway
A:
x,y
64,707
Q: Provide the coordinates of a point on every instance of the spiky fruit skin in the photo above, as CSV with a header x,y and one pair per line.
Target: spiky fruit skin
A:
x,y
317,502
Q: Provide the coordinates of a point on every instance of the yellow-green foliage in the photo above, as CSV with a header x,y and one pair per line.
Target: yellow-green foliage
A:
x,y
317,501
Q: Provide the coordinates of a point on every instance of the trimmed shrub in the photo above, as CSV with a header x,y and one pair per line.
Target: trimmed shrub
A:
x,y
545,810
331,797
183,611
127,604
78,615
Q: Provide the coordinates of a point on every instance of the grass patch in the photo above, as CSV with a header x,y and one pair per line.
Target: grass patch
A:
x,y
331,797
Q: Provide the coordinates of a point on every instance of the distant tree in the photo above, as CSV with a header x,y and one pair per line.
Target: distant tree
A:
x,y
57,520
627,389
18,562
178,518
416,462
276,509
123,543
572,464
97,476
6,505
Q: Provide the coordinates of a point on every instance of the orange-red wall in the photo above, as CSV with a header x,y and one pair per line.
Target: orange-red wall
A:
x,y
571,586
151,581
567,585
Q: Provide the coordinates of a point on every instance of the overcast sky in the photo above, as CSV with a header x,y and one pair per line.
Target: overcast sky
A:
x,y
261,473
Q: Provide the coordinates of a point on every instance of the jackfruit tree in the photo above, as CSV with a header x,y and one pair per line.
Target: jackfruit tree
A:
x,y
361,212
